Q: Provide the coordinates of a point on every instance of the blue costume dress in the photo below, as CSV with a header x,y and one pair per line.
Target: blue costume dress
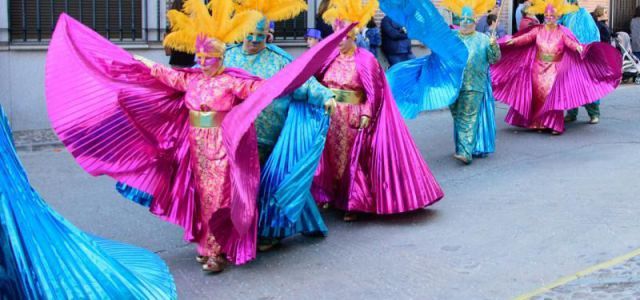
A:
x,y
291,134
43,256
585,29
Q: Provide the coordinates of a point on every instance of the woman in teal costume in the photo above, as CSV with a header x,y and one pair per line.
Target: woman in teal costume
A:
x,y
43,256
475,95
291,134
455,74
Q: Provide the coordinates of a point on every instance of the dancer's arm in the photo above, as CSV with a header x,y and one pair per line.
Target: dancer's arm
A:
x,y
170,77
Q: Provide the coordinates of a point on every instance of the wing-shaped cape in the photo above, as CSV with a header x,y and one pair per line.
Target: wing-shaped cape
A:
x,y
386,170
581,79
118,120
433,81
46,257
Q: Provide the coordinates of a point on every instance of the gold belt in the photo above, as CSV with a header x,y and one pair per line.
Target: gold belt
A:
x,y
206,119
547,57
348,96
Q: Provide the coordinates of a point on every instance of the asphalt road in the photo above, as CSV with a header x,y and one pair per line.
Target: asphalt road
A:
x,y
540,208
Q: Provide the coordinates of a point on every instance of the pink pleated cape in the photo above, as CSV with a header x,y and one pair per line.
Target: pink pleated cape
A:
x,y
118,120
387,173
581,79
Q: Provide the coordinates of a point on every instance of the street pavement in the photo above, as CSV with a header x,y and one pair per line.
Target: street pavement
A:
x,y
541,208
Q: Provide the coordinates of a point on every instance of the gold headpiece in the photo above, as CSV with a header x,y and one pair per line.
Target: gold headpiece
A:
x,y
561,7
341,12
469,8
218,21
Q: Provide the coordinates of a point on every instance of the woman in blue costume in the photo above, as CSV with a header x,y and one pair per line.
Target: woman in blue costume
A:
x,y
455,74
43,256
291,133
584,27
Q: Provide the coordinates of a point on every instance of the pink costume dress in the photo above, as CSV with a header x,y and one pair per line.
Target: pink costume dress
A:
x,y
208,100
542,74
118,120
376,170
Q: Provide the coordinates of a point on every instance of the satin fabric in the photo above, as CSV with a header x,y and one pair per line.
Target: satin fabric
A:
x,y
580,79
119,121
387,174
582,26
46,257
294,128
238,121
486,131
433,81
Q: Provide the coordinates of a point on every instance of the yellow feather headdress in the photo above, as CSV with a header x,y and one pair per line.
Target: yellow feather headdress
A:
x,y
539,7
351,11
217,20
274,10
463,8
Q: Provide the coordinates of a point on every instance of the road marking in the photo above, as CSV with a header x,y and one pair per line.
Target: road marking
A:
x,y
583,273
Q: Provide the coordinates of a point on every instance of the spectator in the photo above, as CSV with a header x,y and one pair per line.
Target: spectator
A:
x,y
600,15
372,32
396,44
492,24
178,59
324,28
519,14
313,36
528,19
635,33
483,25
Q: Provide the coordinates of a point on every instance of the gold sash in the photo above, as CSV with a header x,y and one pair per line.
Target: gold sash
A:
x,y
206,119
548,57
348,96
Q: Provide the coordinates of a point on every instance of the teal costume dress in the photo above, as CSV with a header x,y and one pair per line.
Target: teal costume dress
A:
x,y
475,101
291,135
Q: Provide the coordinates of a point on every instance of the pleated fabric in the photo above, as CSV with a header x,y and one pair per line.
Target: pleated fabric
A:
x,y
582,25
581,79
46,257
118,120
287,206
433,81
387,173
486,133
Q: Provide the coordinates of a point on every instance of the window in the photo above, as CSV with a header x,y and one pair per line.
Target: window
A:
x,y
34,20
292,30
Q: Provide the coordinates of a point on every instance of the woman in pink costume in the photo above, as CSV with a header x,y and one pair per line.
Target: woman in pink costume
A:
x,y
544,70
178,140
370,163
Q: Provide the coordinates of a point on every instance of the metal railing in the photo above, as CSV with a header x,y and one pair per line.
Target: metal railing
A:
x,y
33,21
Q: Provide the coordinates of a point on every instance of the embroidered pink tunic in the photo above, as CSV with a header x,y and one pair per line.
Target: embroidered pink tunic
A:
x,y
342,74
209,94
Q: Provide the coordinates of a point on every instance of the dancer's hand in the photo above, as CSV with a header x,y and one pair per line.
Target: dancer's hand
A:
x,y
510,42
147,62
364,122
330,106
580,49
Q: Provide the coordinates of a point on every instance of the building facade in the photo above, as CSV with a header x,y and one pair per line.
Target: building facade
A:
x,y
138,26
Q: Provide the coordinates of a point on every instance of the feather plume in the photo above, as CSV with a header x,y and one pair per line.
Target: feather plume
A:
x,y
479,7
218,20
274,10
354,11
561,7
